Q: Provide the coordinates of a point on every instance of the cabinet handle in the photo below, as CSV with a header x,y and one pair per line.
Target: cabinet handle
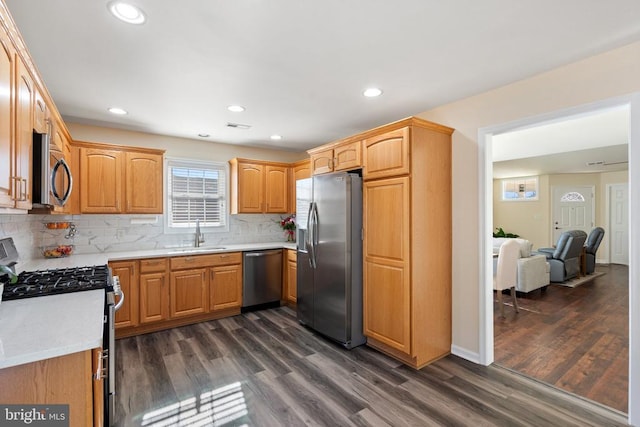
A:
x,y
101,369
213,275
331,164
14,195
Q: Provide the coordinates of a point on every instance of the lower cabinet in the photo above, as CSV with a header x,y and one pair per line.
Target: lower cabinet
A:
x,y
225,287
188,292
127,272
154,290
291,277
64,380
161,293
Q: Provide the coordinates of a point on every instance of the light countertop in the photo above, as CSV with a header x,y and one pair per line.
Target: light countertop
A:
x,y
82,260
34,329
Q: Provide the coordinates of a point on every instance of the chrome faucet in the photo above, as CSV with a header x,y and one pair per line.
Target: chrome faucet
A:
x,y
199,236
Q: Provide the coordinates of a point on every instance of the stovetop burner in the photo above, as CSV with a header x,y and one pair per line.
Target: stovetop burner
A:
x,y
58,281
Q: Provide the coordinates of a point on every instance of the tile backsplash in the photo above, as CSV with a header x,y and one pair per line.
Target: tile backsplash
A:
x,y
116,233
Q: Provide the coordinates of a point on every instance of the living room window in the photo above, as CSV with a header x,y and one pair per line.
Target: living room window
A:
x,y
520,189
196,191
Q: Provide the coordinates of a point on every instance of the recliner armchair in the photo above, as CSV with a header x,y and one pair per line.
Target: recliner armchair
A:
x,y
564,259
591,247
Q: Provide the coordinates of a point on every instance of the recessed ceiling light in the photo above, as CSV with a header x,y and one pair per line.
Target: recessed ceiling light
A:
x,y
116,110
276,137
127,12
372,92
236,108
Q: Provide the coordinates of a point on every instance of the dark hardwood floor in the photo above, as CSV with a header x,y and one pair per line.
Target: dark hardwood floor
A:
x,y
264,369
574,338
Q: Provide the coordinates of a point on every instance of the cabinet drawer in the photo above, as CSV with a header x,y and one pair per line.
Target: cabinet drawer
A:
x,y
154,265
291,255
183,262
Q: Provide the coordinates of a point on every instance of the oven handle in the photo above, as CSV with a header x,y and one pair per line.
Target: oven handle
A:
x,y
117,291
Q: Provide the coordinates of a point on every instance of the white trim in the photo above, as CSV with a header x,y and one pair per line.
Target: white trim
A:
x,y
634,261
484,212
466,354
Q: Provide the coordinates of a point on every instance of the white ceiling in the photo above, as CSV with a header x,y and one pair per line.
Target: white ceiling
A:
x,y
300,66
565,146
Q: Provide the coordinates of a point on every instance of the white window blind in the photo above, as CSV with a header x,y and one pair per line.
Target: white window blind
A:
x,y
196,191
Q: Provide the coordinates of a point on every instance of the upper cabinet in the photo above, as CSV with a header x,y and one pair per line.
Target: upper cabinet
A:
x,y
7,114
345,155
115,179
387,154
25,107
259,187
299,170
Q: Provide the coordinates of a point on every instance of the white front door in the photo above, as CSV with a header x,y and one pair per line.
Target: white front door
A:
x,y
572,209
619,224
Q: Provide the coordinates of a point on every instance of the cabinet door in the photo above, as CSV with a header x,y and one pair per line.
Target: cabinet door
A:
x,y
40,115
101,178
291,277
276,189
24,135
322,162
225,287
347,156
188,292
143,182
154,297
387,155
250,188
127,273
301,170
387,293
7,166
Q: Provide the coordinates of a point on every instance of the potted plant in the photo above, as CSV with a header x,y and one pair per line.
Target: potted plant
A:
x,y
288,224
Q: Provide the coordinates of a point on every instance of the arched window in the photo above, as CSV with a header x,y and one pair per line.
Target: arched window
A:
x,y
572,196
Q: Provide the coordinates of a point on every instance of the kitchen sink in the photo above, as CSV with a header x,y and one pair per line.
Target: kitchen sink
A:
x,y
197,250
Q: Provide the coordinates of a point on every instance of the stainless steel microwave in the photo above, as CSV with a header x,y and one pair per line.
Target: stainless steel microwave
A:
x,y
52,179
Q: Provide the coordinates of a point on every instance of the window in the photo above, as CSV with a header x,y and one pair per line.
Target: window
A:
x,y
520,188
196,190
572,197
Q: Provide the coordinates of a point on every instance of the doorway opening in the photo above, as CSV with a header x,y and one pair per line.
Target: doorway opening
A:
x,y
487,216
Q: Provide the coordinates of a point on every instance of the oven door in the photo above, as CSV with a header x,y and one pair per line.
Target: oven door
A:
x,y
61,181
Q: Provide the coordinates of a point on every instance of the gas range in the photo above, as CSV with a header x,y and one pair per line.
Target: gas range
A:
x,y
59,281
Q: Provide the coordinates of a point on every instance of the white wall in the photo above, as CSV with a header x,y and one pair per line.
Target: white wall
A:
x,y
614,73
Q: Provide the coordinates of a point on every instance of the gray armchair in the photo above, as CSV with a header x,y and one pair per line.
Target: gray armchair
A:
x,y
564,259
593,242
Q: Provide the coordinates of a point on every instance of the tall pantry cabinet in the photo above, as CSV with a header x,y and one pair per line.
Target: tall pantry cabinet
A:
x,y
407,240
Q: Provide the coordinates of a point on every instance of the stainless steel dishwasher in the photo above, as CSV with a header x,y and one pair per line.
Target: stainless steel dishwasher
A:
x,y
262,279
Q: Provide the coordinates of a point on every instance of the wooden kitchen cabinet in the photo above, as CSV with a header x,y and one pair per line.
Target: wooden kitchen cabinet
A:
x,y
127,272
225,287
299,170
116,179
291,277
188,292
7,112
338,156
66,380
154,290
40,115
24,137
259,187
387,154
407,241
101,177
143,185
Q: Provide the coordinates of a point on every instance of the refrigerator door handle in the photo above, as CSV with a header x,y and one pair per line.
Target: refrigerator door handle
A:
x,y
309,238
314,234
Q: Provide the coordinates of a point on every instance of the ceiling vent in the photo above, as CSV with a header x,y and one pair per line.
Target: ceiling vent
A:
x,y
238,126
603,163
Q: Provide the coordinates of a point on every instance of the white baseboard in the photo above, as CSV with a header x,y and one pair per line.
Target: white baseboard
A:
x,y
466,354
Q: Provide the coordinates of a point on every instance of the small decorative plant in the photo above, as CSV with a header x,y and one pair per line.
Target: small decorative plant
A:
x,y
500,233
4,270
288,224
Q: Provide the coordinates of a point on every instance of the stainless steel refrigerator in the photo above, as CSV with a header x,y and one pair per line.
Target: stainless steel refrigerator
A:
x,y
329,255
